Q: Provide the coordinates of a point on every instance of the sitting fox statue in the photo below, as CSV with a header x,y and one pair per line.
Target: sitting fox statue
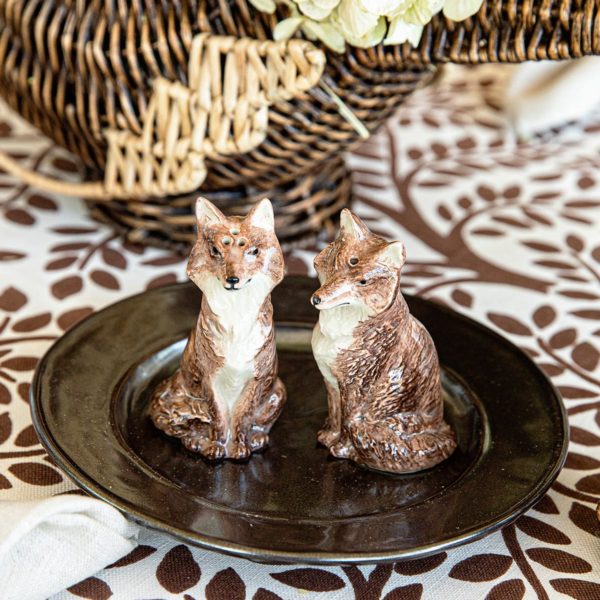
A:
x,y
380,366
225,396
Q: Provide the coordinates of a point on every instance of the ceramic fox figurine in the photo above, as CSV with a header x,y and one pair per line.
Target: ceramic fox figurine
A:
x,y
225,396
380,366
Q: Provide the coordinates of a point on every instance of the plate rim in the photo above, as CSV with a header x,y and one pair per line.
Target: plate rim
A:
x,y
87,483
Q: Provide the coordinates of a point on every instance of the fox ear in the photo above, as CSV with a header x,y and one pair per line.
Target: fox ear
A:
x,y
262,216
351,225
320,262
394,255
207,213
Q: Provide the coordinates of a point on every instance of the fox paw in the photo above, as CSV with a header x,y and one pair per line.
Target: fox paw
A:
x,y
214,451
240,450
258,440
328,437
161,421
342,450
193,443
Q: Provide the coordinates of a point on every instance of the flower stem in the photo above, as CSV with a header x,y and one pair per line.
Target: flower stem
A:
x,y
345,111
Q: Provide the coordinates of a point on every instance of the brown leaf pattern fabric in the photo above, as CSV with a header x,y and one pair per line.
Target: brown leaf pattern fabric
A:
x,y
504,231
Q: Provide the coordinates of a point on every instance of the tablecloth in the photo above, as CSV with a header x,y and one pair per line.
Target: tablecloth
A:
x,y
504,231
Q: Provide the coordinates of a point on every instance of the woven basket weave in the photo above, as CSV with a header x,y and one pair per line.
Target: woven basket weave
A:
x,y
157,111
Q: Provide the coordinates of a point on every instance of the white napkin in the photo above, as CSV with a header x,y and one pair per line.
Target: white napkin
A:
x,y
543,95
48,545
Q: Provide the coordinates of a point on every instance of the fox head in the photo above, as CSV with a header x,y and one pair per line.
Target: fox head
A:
x,y
358,269
235,253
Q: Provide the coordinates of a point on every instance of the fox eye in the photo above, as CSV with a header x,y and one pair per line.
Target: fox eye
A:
x,y
353,261
253,251
363,282
214,252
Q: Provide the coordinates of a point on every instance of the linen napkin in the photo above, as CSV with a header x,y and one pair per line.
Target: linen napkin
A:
x,y
543,95
48,545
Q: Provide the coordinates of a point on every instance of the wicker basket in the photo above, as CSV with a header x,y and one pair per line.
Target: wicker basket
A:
x,y
124,86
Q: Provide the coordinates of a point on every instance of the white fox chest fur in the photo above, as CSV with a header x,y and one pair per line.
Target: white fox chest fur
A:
x,y
236,335
334,333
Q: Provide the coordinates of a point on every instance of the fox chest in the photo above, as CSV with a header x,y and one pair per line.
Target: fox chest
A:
x,y
326,348
238,351
334,333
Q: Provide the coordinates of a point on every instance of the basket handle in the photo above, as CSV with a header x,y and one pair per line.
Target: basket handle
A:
x,y
224,110
92,190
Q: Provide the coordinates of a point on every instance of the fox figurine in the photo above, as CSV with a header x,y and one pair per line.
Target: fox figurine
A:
x,y
225,397
379,363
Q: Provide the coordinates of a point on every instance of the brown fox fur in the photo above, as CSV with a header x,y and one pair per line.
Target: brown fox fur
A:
x,y
225,396
379,363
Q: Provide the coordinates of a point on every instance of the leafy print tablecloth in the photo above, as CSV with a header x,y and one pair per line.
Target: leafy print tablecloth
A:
x,y
506,232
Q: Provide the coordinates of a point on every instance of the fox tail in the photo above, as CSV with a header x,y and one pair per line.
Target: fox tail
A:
x,y
386,446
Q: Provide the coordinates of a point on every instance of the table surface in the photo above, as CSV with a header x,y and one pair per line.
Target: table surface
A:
x,y
504,231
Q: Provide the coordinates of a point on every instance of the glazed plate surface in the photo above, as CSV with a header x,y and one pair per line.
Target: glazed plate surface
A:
x,y
294,502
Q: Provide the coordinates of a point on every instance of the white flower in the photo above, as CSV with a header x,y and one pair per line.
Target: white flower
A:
x,y
354,20
326,32
266,6
420,12
285,29
400,31
364,23
384,7
459,10
370,38
317,9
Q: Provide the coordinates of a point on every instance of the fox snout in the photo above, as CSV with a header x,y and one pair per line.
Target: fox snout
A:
x,y
232,275
331,295
233,279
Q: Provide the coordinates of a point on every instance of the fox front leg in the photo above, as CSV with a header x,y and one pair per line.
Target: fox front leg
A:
x,y
242,419
254,417
332,430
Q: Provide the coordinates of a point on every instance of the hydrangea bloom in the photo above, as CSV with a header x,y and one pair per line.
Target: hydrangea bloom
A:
x,y
364,23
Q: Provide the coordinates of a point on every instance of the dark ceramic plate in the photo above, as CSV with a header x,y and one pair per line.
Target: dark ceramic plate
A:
x,y
295,503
